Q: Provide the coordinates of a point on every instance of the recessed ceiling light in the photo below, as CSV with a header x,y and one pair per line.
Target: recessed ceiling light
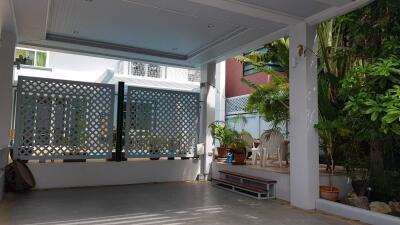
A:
x,y
210,25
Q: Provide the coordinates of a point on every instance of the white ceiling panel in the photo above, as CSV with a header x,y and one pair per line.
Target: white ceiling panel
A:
x,y
178,32
136,25
301,8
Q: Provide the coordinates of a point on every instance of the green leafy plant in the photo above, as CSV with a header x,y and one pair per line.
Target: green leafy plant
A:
x,y
270,100
239,144
224,134
373,108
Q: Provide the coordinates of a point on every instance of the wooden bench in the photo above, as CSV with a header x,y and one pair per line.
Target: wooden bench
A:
x,y
251,186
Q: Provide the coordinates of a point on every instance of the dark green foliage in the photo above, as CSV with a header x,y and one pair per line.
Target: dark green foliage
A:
x,y
359,93
270,100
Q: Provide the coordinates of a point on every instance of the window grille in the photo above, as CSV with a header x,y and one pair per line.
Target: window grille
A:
x,y
194,75
137,69
58,119
154,71
236,105
161,123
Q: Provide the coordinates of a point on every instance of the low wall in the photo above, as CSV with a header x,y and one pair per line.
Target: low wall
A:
x,y
79,174
282,178
339,181
354,213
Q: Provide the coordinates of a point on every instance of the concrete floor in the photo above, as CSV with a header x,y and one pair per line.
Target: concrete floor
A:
x,y
146,204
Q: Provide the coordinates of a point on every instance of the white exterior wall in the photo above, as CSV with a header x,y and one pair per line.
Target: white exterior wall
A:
x,y
77,174
176,74
255,124
68,67
85,64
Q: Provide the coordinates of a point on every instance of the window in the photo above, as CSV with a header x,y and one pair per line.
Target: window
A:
x,y
136,69
154,71
249,69
194,75
31,57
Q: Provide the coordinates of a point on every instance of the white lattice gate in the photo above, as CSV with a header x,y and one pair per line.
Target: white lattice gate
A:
x,y
59,119
161,123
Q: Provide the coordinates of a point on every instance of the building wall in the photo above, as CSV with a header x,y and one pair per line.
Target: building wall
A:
x,y
234,86
89,174
82,63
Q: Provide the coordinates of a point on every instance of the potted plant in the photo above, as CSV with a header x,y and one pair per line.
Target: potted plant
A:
x,y
239,152
238,148
224,134
330,132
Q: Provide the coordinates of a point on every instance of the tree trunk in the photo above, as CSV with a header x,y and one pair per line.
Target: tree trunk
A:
x,y
376,157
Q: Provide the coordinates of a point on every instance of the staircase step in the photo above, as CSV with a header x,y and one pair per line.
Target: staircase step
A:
x,y
248,177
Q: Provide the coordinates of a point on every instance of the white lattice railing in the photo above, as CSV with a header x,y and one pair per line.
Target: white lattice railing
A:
x,y
236,105
59,119
161,123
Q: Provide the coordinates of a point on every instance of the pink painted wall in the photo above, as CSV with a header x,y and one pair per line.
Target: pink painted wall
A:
x,y
233,85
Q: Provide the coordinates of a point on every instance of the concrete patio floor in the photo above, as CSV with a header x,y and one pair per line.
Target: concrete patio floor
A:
x,y
146,204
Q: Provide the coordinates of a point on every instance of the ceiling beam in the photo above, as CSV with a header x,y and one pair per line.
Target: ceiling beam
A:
x,y
336,11
334,2
251,10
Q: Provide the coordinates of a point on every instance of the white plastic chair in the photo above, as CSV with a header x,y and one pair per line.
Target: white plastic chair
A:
x,y
271,147
249,142
257,152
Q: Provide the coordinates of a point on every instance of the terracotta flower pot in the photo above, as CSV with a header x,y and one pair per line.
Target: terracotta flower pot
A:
x,y
222,152
239,158
329,193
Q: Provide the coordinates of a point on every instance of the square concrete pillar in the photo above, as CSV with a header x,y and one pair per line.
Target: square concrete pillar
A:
x,y
304,142
207,114
7,51
220,91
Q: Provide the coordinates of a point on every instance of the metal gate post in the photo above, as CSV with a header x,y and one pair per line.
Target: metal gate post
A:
x,y
120,121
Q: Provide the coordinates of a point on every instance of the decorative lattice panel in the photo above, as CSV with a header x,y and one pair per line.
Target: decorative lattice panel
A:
x,y
236,105
154,71
161,123
194,75
137,69
58,119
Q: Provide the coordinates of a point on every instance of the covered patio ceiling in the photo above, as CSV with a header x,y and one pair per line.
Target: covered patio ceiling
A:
x,y
178,32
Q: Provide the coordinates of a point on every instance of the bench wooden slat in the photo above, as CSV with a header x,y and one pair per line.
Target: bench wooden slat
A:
x,y
259,179
258,190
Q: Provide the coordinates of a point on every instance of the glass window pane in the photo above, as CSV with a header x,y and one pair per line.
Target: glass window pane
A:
x,y
25,57
41,59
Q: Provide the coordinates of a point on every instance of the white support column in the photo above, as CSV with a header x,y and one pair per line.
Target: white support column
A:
x,y
207,114
304,165
220,91
7,51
